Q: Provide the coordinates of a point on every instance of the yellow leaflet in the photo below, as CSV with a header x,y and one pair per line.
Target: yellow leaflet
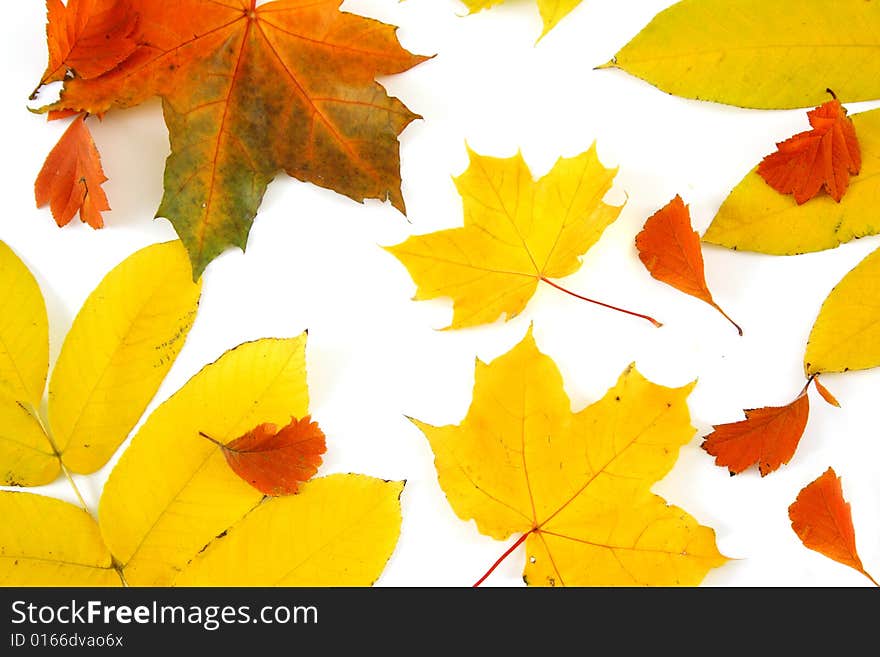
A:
x,y
338,531
846,335
515,231
24,332
26,457
47,542
119,349
755,53
172,491
552,11
577,483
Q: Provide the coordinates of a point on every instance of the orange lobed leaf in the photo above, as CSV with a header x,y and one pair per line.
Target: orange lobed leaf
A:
x,y
825,156
275,461
767,437
88,37
822,519
670,250
71,178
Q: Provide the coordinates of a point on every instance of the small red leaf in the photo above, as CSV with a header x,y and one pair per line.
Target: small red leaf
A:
x,y
768,437
825,156
275,461
825,393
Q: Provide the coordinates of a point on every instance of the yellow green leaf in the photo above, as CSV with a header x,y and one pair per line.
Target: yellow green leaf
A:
x,y
552,11
26,456
754,53
172,491
755,217
338,531
121,345
24,332
846,335
575,486
516,232
47,542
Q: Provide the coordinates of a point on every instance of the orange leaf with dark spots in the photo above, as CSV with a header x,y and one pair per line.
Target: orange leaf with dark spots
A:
x,y
822,519
71,178
768,437
825,156
670,250
275,461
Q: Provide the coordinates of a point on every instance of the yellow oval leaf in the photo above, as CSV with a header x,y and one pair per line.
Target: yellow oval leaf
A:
x,y
172,491
755,217
47,542
24,332
26,456
119,349
846,335
339,530
754,53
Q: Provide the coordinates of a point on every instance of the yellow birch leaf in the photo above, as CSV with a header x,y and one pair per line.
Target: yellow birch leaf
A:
x,y
574,486
846,335
24,332
26,456
172,491
516,232
47,542
121,345
339,530
760,54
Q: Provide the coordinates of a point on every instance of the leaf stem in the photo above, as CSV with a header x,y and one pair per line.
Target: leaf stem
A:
x,y
605,305
729,319
213,440
868,575
73,485
506,554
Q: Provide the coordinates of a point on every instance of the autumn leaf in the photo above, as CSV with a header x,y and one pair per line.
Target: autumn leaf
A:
x,y
552,11
517,233
71,178
765,55
575,487
825,156
822,519
249,91
87,38
670,250
276,461
755,217
825,393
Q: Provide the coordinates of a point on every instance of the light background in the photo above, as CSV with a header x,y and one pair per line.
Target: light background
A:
x,y
314,261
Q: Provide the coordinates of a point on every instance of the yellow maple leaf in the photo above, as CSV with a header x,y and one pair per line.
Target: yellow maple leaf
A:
x,y
574,486
517,232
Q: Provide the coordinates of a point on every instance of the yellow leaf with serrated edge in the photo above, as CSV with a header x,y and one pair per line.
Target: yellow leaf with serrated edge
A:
x,y
575,486
47,542
516,232
121,345
26,456
846,335
172,491
755,217
552,11
755,53
24,332
339,530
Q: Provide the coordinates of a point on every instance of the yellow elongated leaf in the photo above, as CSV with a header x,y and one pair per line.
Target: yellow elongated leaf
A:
x,y
339,530
755,217
576,486
846,335
47,542
24,331
26,456
759,53
172,491
121,345
516,231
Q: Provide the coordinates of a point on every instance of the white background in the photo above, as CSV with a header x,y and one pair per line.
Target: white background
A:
x,y
313,261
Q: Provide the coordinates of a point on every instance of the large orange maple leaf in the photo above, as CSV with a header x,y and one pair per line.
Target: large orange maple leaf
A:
x,y
249,91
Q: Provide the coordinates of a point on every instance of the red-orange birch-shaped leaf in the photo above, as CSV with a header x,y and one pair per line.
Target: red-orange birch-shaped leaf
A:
x,y
825,393
822,519
71,178
670,250
275,461
768,437
825,156
88,37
